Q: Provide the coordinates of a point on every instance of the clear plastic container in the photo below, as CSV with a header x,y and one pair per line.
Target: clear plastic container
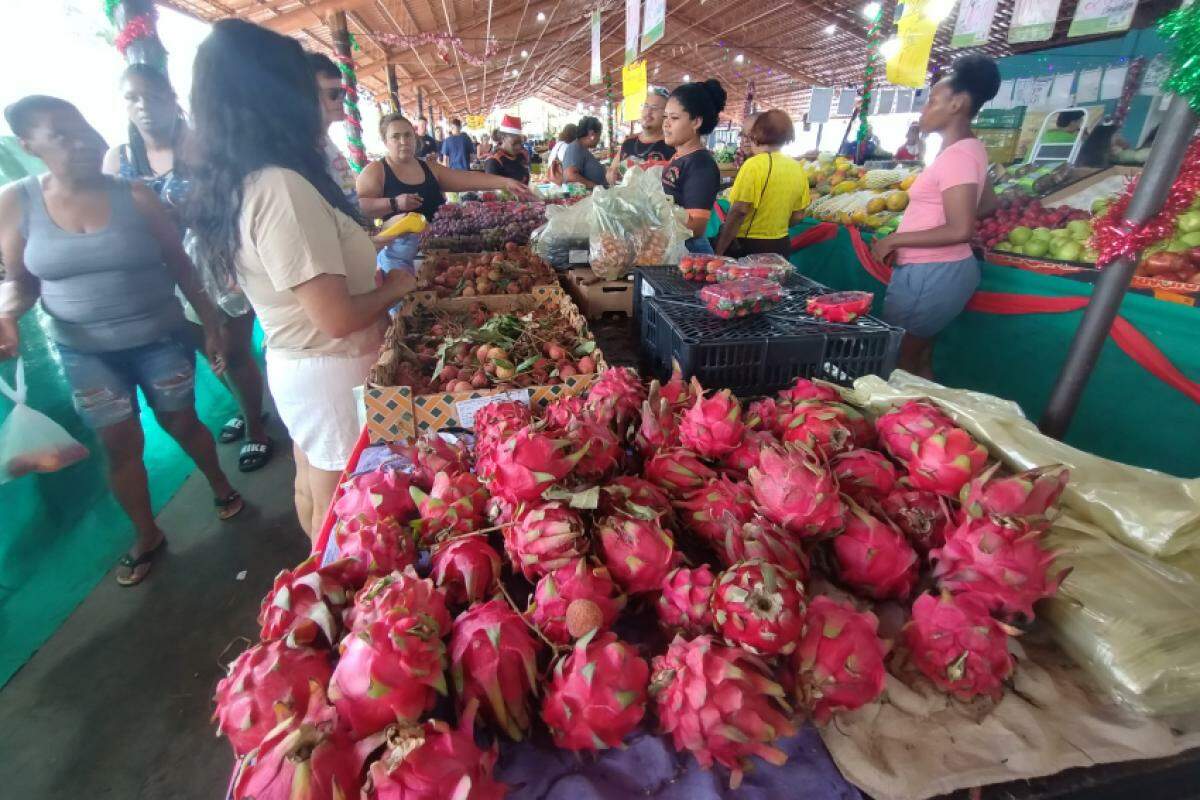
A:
x,y
702,268
769,266
742,297
840,306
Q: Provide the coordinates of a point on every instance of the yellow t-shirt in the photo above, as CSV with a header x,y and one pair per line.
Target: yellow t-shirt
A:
x,y
290,235
775,186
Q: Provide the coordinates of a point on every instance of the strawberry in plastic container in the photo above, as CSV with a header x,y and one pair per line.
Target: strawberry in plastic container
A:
x,y
771,266
840,306
702,268
742,297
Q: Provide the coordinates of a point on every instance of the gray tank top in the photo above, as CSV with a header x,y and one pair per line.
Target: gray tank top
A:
x,y
103,291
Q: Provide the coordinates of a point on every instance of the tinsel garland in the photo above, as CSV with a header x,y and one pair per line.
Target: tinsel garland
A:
x,y
1133,79
1114,237
869,77
1182,28
110,9
354,140
139,27
444,42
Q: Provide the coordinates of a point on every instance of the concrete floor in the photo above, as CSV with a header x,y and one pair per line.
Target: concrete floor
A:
x,y
117,703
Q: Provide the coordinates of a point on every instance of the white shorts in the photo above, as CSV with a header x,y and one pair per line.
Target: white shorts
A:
x,y
314,396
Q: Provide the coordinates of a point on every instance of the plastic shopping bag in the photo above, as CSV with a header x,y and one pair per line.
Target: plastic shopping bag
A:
x,y
400,253
29,440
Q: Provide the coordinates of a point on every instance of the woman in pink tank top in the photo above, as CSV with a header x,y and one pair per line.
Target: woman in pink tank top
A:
x,y
935,271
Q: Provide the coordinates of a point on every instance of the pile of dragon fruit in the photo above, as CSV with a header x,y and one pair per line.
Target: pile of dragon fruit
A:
x,y
659,557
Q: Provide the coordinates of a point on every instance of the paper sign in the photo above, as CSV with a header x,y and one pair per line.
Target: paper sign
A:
x,y
974,23
1088,90
1032,20
1156,73
1039,96
633,19
596,69
887,98
1023,92
904,101
1112,83
466,410
846,101
818,107
910,66
1102,16
633,87
1004,95
1060,91
654,22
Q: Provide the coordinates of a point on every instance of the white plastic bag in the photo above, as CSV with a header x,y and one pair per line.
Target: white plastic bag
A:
x,y
29,440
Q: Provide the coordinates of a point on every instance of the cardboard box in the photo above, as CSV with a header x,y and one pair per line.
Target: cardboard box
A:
x,y
396,413
597,297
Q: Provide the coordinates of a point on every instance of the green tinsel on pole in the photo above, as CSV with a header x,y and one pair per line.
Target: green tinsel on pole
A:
x,y
1182,29
869,78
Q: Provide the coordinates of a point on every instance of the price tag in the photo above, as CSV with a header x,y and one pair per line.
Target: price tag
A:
x,y
577,257
467,409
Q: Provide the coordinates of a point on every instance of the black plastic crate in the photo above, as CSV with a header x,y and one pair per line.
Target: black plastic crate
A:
x,y
764,353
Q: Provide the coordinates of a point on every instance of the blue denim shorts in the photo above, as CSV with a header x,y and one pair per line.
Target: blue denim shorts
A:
x,y
925,298
700,245
104,385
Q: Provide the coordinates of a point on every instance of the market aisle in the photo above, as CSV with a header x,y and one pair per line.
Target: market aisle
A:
x,y
117,703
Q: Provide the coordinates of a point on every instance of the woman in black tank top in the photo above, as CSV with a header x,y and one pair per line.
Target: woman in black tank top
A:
x,y
400,182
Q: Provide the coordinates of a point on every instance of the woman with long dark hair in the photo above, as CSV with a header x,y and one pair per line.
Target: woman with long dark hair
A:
x,y
693,179
154,155
267,213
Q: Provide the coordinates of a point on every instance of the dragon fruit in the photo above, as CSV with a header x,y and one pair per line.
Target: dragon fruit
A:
x,y
760,607
432,761
874,558
839,661
373,548
381,493
945,461
912,422
303,759
494,423
493,662
575,599
265,685
766,415
659,427
561,411
400,594
720,704
637,551
431,454
528,463
636,497
823,427
390,670
303,604
466,568
602,450
1027,495
677,471
840,307
744,457
597,694
761,539
620,390
1000,561
680,393
718,507
797,491
922,516
544,537
683,604
455,504
958,645
804,389
713,426
865,475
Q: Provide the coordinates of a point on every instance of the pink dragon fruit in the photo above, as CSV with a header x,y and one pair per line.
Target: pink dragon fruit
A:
x,y
493,662
619,389
865,475
720,506
679,393
839,662
391,670
544,537
561,411
431,454
455,504
602,450
373,548
922,516
713,426
945,461
597,694
267,684
720,704
804,389
432,761
683,604
528,463
494,424
636,497
759,607
574,600
659,427
677,471
823,427
401,594
638,552
381,493
304,604
874,558
766,415
761,539
797,491
957,645
912,422
744,457
1000,561
467,569
1027,495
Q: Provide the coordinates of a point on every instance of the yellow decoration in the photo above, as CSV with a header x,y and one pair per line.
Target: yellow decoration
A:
x,y
915,31
400,225
633,88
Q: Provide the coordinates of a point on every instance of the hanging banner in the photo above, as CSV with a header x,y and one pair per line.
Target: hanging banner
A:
x,y
1102,16
633,18
654,22
476,121
596,76
1032,20
820,105
633,88
974,23
910,66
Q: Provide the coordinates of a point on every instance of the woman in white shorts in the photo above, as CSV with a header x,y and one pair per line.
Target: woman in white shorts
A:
x,y
266,212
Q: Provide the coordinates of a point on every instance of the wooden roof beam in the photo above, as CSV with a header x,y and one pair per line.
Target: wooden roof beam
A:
x,y
312,14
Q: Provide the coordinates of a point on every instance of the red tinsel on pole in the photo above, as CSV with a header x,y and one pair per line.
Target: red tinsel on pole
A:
x,y
140,27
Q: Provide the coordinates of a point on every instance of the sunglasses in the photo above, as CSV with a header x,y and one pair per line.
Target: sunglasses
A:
x,y
336,94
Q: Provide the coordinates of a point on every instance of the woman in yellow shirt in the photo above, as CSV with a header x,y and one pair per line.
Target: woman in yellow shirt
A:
x,y
769,194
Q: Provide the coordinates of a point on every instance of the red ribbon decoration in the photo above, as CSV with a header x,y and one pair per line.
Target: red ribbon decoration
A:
x,y
140,27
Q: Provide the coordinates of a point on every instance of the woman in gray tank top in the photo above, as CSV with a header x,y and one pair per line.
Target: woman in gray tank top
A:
x,y
104,258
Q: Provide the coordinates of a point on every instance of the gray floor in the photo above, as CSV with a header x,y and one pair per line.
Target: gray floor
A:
x,y
117,703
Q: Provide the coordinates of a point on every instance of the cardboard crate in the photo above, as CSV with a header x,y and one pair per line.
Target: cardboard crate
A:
x,y
597,297
396,413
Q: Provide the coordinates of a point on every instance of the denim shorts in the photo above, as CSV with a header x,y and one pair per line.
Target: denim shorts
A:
x,y
700,245
925,298
104,385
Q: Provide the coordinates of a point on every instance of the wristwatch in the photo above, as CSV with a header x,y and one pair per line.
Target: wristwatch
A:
x,y
394,204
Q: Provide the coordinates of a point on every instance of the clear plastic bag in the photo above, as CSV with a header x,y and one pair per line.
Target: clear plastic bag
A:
x,y
635,224
228,296
771,266
29,440
563,240
741,298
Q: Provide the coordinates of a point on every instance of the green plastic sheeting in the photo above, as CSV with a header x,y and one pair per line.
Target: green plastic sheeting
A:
x,y
60,533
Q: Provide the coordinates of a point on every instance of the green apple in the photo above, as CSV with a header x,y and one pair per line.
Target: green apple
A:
x,y
1079,229
1100,205
1070,251
1059,233
1004,247
1036,248
1019,249
1177,246
1041,233
1189,222
1019,235
1191,239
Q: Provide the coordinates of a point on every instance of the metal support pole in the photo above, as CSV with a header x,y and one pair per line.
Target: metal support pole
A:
x,y
345,61
393,88
420,103
143,50
1166,156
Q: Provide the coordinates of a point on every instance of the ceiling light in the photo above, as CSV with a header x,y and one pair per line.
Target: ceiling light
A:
x,y
739,59
541,17
890,49
514,73
870,10
938,10
524,54
687,78
830,30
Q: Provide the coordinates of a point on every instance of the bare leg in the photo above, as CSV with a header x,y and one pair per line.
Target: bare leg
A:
x,y
304,500
243,376
123,443
916,356
185,428
323,484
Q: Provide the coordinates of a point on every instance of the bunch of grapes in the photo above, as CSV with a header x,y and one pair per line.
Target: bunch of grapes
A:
x,y
483,225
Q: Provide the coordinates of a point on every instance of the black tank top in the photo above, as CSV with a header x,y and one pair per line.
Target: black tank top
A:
x,y
429,191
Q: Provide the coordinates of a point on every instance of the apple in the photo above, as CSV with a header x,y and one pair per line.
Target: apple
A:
x,y
1100,205
1041,233
1189,222
1004,247
1068,251
1036,248
1020,235
1191,239
1079,229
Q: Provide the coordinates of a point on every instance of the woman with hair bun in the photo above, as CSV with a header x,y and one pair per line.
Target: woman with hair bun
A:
x,y
692,178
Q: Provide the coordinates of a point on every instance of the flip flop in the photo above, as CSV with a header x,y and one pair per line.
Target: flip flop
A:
x,y
233,430
146,559
228,507
255,455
